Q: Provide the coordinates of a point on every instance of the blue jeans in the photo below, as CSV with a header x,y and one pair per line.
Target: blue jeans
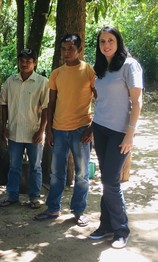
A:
x,y
113,214
34,152
64,141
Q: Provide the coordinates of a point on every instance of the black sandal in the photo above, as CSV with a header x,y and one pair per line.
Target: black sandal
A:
x,y
7,202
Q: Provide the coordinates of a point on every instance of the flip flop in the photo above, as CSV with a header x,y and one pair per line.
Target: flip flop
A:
x,y
7,202
35,204
45,216
81,220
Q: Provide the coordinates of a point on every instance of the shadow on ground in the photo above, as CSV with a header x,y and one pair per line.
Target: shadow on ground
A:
x,y
25,240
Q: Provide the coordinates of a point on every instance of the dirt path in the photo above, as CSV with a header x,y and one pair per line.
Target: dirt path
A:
x,y
24,240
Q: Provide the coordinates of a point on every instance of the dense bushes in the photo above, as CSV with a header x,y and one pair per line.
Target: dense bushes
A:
x,y
136,20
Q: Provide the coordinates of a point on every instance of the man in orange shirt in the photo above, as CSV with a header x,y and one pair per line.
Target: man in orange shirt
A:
x,y
69,128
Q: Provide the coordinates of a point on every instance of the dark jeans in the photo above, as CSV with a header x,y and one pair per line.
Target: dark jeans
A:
x,y
113,215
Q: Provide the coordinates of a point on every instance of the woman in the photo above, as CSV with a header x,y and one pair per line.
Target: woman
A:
x,y
118,105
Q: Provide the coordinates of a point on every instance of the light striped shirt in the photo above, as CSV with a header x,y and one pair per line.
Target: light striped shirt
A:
x,y
25,101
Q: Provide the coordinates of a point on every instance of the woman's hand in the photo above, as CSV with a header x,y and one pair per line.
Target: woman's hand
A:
x,y
127,143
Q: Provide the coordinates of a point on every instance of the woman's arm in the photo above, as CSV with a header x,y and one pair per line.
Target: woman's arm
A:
x,y
136,100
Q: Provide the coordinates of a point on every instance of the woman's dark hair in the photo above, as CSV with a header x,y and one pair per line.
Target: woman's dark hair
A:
x,y
101,64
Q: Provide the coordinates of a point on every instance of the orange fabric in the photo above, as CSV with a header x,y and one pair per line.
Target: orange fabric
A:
x,y
74,94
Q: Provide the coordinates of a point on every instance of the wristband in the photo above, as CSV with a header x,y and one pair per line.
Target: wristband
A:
x,y
132,126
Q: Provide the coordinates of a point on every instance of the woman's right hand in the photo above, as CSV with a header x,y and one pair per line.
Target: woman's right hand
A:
x,y
127,143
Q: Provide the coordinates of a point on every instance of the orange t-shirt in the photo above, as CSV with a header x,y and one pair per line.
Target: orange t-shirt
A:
x,y
74,94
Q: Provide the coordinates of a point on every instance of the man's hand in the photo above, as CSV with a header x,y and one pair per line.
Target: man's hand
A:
x,y
49,139
37,137
87,135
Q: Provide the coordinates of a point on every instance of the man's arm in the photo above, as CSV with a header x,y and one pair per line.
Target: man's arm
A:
x,y
38,136
51,110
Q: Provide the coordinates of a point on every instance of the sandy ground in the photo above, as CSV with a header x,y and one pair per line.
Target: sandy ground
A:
x,y
24,240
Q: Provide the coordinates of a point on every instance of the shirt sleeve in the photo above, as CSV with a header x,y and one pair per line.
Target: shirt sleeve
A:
x,y
134,75
91,74
52,79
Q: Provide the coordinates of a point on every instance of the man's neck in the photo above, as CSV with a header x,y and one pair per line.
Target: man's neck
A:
x,y
25,76
74,63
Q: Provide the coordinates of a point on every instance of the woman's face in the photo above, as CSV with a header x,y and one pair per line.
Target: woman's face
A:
x,y
108,45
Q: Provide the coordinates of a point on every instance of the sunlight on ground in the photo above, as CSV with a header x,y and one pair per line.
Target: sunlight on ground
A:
x,y
146,225
122,255
11,255
141,196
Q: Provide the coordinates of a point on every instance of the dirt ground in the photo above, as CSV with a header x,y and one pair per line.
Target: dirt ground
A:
x,y
25,240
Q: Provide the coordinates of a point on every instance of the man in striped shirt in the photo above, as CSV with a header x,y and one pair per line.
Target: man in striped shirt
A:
x,y
24,99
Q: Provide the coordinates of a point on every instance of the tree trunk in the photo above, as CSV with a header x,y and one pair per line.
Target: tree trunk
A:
x,y
0,7
71,16
20,25
38,24
28,18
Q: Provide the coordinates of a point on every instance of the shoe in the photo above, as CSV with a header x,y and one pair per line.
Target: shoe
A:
x,y
119,242
100,233
7,202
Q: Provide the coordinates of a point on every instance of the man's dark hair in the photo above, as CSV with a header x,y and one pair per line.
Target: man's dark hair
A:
x,y
75,38
101,64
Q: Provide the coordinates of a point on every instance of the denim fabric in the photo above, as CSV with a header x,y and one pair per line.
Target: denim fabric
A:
x,y
64,141
34,152
113,214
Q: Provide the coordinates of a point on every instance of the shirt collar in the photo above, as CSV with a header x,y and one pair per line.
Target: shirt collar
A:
x,y
31,77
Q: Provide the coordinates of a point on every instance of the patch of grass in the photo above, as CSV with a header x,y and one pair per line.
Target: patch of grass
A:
x,y
150,103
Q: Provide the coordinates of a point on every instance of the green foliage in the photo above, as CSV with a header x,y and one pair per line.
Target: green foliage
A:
x,y
150,102
90,42
45,61
7,40
137,21
140,35
97,9
47,51
8,62
138,25
7,24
